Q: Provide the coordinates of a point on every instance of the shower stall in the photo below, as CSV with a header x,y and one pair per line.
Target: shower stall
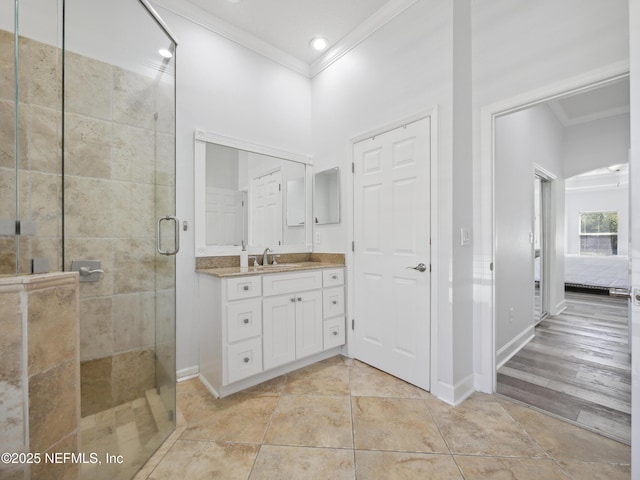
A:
x,y
87,184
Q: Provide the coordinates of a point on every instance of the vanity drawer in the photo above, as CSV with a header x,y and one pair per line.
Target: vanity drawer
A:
x,y
332,302
244,319
333,277
279,284
244,287
244,359
333,335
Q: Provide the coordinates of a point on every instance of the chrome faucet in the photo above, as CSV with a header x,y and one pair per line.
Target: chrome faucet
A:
x,y
265,256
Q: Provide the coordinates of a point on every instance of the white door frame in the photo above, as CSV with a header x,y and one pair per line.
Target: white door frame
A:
x,y
548,227
432,113
484,291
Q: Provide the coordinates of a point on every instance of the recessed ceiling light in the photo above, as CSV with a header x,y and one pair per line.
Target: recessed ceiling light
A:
x,y
319,43
166,53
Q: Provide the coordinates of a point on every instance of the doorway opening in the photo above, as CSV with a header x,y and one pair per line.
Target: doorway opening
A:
x,y
541,229
559,351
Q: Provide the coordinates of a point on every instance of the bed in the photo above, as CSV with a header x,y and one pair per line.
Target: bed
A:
x,y
593,271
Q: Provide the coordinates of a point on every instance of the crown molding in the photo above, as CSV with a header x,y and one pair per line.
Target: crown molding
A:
x,y
562,117
360,34
196,15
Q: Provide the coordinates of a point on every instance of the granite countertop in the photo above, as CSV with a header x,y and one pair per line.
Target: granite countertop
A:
x,y
260,270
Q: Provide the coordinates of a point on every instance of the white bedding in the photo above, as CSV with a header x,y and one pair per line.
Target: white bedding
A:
x,y
599,271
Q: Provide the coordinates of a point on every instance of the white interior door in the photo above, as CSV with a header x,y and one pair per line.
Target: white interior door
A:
x,y
224,212
266,209
392,236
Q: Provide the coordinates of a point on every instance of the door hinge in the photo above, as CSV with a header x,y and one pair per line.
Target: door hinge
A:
x,y
353,246
491,266
429,268
279,187
353,324
353,167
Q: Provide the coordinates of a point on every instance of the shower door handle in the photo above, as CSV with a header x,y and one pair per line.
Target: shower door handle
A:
x,y
176,222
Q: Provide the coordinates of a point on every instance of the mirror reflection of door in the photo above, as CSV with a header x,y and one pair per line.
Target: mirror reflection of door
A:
x,y
540,245
266,209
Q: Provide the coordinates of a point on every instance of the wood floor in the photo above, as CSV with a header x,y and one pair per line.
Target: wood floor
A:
x,y
578,366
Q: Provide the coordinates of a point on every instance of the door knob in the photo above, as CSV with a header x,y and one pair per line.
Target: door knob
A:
x,y
421,267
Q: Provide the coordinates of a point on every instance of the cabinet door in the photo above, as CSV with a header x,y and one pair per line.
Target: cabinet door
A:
x,y
309,327
279,330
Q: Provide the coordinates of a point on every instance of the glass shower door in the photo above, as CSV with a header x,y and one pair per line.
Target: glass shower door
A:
x,y
119,208
30,113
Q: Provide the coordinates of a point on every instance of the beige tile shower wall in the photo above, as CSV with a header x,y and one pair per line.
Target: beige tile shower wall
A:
x,y
119,179
38,150
39,371
119,167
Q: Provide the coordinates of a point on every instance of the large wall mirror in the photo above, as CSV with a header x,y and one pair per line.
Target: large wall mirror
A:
x,y
250,194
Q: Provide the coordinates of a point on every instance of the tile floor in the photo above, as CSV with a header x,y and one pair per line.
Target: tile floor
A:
x,y
341,419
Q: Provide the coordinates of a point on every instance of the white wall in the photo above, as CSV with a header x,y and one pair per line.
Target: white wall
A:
x,y
404,68
226,89
596,144
520,47
524,139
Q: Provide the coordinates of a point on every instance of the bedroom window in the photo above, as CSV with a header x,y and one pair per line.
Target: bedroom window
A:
x,y
599,233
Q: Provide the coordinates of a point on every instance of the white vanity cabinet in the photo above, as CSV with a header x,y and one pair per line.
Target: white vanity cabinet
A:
x,y
256,327
292,326
333,308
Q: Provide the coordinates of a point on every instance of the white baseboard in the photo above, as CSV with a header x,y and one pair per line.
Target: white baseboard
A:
x,y
514,346
458,393
187,373
561,307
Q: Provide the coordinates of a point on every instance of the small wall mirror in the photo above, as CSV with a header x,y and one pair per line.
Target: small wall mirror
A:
x,y
326,196
251,194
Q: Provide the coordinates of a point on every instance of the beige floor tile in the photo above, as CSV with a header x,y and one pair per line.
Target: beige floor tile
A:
x,y
482,427
238,418
311,420
275,386
278,462
206,460
597,471
398,431
403,466
190,396
399,424
339,360
159,454
564,441
367,381
480,468
319,379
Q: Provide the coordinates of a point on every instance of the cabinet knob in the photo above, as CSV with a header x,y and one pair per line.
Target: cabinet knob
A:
x,y
335,332
335,302
293,300
246,320
299,299
246,287
246,359
335,277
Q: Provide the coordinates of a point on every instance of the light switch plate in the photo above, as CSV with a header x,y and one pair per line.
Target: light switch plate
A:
x,y
465,237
